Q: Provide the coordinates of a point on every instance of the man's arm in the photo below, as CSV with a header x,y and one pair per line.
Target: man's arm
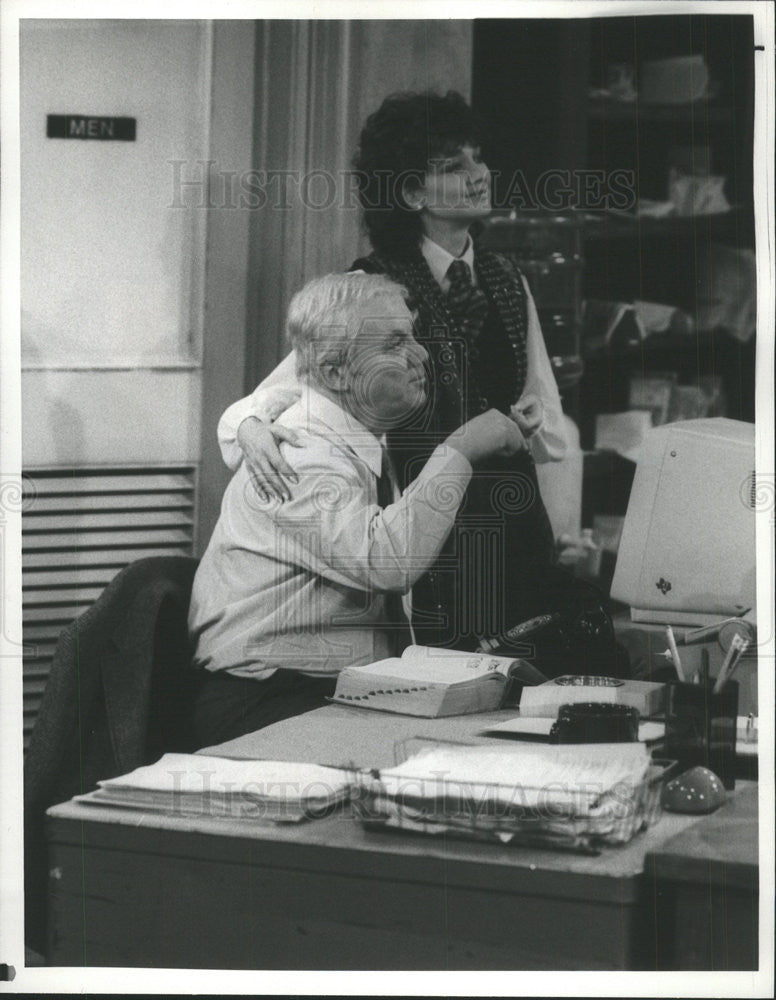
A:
x,y
333,526
548,443
268,400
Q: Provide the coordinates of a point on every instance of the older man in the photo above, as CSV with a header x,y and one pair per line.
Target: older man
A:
x,y
287,594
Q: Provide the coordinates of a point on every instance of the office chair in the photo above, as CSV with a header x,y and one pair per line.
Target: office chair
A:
x,y
118,696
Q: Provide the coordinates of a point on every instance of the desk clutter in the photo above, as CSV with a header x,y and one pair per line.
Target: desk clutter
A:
x,y
569,797
582,764
573,798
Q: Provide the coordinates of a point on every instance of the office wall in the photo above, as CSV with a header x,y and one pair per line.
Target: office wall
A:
x,y
112,271
412,55
131,285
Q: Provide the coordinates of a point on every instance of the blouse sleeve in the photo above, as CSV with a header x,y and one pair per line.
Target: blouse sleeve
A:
x,y
279,390
548,443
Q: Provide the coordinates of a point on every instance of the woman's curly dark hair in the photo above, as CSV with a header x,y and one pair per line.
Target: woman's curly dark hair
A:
x,y
397,143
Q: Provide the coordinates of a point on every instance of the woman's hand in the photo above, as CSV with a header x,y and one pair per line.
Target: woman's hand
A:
x,y
267,467
489,433
528,414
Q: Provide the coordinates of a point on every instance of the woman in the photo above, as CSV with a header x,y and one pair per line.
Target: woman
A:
x,y
423,187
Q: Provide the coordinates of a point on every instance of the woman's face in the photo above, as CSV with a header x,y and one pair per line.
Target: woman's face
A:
x,y
457,186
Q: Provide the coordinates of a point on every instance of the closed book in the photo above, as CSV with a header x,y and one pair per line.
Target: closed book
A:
x,y
433,682
545,699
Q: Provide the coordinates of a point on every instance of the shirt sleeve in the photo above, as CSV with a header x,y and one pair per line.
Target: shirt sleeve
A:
x,y
333,526
279,390
548,443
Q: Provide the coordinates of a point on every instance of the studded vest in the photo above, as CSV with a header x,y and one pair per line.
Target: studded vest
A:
x,y
468,592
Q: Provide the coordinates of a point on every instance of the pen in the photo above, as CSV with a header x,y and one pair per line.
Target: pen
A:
x,y
745,644
737,648
711,631
704,633
674,652
705,667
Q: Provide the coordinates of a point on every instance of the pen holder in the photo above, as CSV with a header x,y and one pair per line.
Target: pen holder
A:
x,y
701,727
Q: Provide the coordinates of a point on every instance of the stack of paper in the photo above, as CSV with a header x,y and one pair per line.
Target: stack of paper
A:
x,y
195,785
570,795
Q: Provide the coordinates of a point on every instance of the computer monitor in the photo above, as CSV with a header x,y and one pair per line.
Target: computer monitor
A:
x,y
687,551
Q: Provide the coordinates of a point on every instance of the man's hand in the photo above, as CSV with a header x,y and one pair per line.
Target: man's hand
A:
x,y
528,414
490,433
260,447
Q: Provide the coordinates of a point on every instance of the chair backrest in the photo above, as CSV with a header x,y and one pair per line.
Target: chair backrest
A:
x,y
118,696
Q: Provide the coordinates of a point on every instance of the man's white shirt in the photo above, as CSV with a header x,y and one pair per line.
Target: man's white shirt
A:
x,y
300,584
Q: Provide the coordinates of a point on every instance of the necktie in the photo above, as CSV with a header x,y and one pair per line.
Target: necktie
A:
x,y
396,618
385,490
468,303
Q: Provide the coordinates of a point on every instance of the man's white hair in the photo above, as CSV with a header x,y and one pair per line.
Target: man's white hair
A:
x,y
325,316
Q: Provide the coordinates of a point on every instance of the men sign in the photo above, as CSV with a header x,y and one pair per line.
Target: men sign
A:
x,y
90,127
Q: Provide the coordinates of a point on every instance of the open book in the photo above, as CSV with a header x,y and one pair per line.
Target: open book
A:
x,y
433,682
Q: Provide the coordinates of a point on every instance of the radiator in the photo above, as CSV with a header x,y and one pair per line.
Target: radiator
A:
x,y
79,528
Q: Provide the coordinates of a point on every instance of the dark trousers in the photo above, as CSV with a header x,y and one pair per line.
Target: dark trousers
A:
x,y
227,706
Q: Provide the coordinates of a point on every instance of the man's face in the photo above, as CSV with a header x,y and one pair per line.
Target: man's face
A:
x,y
457,186
385,375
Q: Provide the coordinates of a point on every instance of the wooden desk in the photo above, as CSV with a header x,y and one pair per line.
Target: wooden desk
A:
x,y
136,889
708,874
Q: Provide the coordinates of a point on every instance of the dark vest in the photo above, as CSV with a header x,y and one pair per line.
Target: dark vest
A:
x,y
502,542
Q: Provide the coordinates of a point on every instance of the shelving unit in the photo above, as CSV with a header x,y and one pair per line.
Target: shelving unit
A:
x,y
663,260
735,224
531,85
603,109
